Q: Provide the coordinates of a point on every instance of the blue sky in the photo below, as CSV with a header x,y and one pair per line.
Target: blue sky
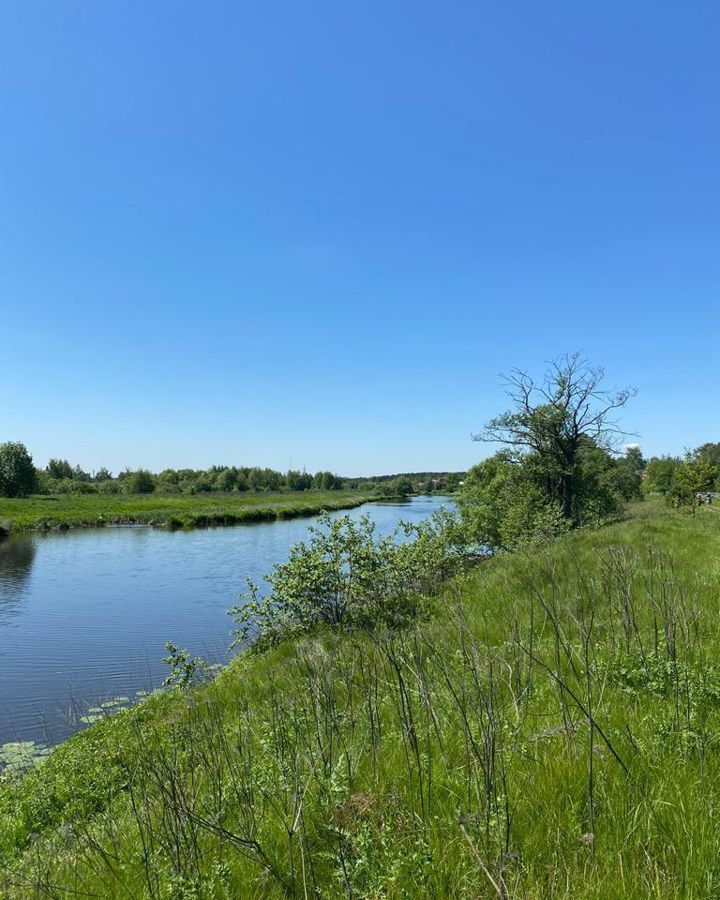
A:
x,y
317,232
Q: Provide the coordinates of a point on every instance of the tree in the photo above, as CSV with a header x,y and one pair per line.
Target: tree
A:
x,y
298,481
660,474
139,482
327,481
503,506
226,479
18,477
710,453
627,473
552,419
695,475
59,468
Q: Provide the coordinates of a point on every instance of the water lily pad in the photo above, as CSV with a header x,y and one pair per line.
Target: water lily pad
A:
x,y
90,718
115,702
20,756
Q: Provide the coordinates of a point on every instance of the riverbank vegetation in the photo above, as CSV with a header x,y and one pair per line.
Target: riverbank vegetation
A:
x,y
64,496
519,702
548,729
47,512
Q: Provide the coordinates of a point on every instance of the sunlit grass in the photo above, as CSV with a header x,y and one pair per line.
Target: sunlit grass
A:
x,y
554,732
172,510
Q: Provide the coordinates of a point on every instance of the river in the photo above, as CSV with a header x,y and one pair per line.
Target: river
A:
x,y
85,614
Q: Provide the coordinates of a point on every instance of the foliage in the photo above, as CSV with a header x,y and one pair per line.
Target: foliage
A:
x,y
346,577
59,468
139,482
660,474
695,475
555,420
184,669
401,486
552,732
504,508
18,477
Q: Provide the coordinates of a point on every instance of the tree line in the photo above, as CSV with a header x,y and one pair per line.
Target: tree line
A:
x,y
19,477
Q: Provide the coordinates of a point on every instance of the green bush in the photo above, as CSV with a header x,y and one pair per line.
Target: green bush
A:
x,y
345,577
139,482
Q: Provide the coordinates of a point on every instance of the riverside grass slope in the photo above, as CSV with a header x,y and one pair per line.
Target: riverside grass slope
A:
x,y
60,511
553,732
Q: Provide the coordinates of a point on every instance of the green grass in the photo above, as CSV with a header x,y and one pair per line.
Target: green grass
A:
x,y
553,732
44,512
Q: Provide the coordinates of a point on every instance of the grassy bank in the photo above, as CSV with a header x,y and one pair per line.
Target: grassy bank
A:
x,y
554,732
45,512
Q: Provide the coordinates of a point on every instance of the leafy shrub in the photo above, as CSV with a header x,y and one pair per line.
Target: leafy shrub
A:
x,y
345,577
70,486
503,507
109,487
139,482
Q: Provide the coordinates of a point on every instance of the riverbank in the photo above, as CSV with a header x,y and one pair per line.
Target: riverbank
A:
x,y
63,511
553,732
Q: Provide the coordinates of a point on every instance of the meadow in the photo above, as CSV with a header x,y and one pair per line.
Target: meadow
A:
x,y
59,511
551,731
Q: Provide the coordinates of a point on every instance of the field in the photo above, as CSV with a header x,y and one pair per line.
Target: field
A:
x,y
171,510
552,732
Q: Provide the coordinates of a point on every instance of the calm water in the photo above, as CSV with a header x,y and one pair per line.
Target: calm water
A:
x,y
84,615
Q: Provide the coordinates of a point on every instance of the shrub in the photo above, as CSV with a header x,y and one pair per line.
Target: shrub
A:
x,y
109,487
139,482
345,577
503,507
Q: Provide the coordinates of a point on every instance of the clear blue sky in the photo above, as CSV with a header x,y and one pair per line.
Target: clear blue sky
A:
x,y
255,232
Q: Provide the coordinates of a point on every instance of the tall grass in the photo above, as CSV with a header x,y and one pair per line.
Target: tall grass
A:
x,y
553,732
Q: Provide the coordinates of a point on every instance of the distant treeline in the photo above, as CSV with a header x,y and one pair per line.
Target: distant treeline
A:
x,y
19,477
680,480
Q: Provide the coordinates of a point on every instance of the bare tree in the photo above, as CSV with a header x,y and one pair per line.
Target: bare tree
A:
x,y
554,418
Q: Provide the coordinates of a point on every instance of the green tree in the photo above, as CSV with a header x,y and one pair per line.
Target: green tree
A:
x,y
627,473
452,481
553,417
226,479
139,482
696,475
59,468
298,481
18,476
711,453
503,505
402,487
660,474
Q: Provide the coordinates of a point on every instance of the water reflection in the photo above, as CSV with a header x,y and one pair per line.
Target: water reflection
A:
x,y
17,555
